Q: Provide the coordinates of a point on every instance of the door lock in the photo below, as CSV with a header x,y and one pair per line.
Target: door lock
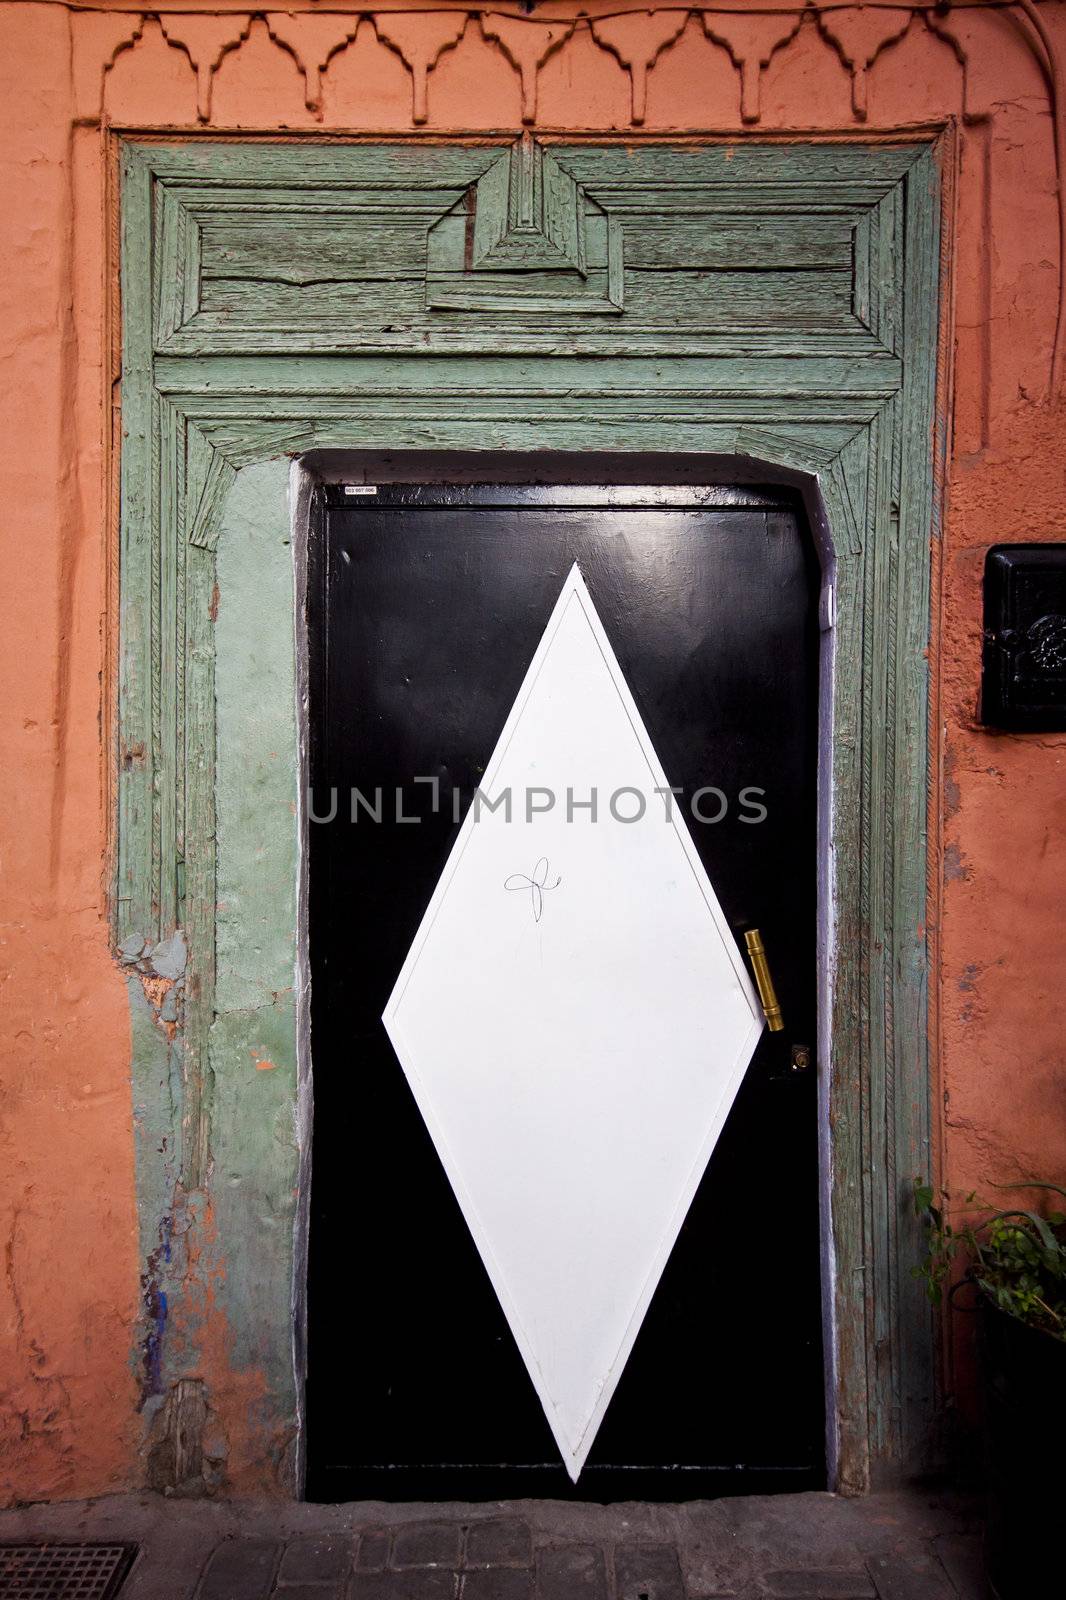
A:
x,y
763,981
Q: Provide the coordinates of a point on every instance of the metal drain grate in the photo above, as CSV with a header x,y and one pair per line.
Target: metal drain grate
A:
x,y
63,1571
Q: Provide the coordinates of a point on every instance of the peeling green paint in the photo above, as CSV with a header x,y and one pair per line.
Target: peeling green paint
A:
x,y
254,1187
252,1049
255,762
156,1103
246,1250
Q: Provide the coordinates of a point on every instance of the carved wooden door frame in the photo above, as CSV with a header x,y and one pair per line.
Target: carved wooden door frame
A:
x,y
223,391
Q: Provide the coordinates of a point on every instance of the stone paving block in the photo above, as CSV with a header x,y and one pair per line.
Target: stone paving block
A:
x,y
501,1542
911,1578
311,1591
962,1557
370,1586
240,1569
316,1558
373,1551
497,1583
819,1584
416,1583
647,1572
427,1544
573,1572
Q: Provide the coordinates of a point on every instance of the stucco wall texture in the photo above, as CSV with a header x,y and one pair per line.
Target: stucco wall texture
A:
x,y
70,1308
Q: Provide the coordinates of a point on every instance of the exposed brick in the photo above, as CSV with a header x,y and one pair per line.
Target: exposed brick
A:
x,y
501,1542
316,1558
647,1572
240,1569
427,1544
497,1583
574,1572
373,1551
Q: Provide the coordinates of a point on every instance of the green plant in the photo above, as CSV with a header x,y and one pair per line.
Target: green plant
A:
x,y
1016,1259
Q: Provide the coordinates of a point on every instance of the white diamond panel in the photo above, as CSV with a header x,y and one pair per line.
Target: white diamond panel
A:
x,y
574,1020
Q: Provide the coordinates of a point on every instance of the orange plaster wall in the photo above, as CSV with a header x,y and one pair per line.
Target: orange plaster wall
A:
x,y
68,1227
70,1304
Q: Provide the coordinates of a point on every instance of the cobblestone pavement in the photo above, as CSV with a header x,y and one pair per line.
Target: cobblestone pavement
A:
x,y
900,1546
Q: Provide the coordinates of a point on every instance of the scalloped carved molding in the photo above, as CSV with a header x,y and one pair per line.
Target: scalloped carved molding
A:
x,y
636,39
637,42
312,41
205,40
527,46
860,36
420,39
751,41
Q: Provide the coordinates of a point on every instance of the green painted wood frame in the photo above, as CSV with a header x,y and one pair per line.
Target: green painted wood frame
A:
x,y
231,361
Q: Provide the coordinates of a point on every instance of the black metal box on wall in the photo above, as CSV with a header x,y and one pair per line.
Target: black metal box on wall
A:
x,y
1024,679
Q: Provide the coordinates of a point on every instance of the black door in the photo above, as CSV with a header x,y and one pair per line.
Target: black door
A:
x,y
425,608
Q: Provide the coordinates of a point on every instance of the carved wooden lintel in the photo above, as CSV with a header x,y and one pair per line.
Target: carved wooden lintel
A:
x,y
526,237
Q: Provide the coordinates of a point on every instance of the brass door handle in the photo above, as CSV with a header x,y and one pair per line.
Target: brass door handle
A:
x,y
763,981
